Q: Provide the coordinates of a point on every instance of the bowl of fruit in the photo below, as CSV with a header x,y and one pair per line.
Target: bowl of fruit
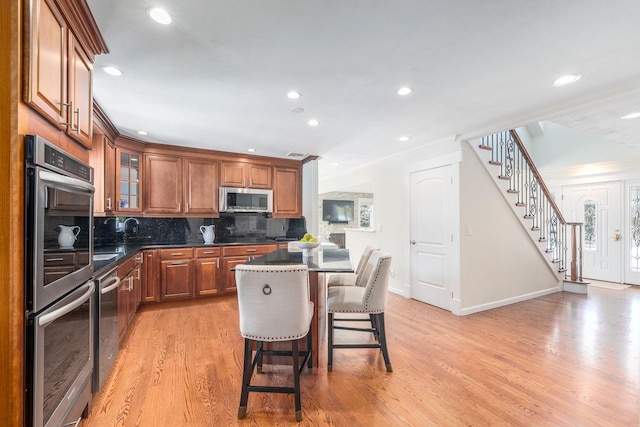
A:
x,y
307,243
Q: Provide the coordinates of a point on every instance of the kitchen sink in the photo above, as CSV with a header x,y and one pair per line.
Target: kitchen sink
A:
x,y
104,257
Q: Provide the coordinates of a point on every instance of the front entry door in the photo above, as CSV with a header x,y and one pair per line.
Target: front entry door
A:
x,y
430,234
598,207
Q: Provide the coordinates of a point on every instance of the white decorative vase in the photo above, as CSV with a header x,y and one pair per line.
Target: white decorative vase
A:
x,y
207,233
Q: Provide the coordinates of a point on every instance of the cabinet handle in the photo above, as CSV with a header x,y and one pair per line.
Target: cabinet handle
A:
x,y
139,275
108,203
179,205
130,284
208,252
217,262
54,259
177,262
77,128
251,250
176,253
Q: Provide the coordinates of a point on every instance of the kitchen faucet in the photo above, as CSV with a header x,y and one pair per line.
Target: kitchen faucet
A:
x,y
134,229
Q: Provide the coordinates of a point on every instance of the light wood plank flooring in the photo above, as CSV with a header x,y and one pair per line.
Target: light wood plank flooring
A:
x,y
562,359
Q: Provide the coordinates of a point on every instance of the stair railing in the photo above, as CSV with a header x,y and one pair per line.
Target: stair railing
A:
x,y
525,182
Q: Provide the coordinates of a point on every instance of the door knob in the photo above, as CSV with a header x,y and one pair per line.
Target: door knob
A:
x,y
413,242
616,235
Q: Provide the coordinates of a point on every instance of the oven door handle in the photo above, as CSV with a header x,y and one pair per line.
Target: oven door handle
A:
x,y
106,289
57,313
65,180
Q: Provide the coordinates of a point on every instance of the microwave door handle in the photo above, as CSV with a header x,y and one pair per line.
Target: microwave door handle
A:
x,y
57,313
47,176
107,289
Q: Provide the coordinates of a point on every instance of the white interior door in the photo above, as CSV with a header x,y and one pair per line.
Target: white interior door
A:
x,y
598,206
430,234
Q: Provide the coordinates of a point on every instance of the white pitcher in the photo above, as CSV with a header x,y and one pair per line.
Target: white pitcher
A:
x,y
68,235
207,233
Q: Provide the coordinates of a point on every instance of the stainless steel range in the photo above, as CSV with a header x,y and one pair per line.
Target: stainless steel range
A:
x,y
59,284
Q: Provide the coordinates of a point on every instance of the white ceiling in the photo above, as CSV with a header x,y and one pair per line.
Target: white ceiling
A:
x,y
217,77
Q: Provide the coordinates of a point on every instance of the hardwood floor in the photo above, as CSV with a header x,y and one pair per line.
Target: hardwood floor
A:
x,y
562,359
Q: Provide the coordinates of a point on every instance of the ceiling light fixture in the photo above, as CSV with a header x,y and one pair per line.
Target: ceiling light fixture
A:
x,y
631,116
567,80
293,94
297,110
404,138
112,71
404,91
143,132
313,122
335,164
159,15
251,150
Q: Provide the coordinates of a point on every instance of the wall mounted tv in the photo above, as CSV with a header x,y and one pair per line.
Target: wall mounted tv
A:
x,y
337,211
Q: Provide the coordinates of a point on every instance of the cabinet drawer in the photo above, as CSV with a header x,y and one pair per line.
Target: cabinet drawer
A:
x,y
207,252
125,267
175,253
248,250
59,259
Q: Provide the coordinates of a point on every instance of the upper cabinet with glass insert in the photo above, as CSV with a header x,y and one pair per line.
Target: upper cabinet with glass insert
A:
x,y
128,180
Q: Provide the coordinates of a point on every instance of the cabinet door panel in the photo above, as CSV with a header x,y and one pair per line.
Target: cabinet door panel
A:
x,y
232,175
150,283
259,176
229,284
201,187
176,279
207,276
109,176
287,193
46,91
163,184
80,95
128,180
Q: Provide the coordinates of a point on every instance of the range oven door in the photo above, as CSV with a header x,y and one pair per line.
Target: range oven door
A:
x,y
59,235
60,356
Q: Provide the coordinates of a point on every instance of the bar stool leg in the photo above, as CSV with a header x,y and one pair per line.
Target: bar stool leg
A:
x,y
296,379
383,341
330,344
247,370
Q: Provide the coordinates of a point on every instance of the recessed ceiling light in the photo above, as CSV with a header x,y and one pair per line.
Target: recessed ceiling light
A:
x,y
297,110
404,138
335,164
251,150
293,94
112,71
631,116
143,132
404,90
159,15
313,122
567,80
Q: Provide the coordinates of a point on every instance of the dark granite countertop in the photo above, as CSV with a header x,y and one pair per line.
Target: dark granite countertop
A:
x,y
124,251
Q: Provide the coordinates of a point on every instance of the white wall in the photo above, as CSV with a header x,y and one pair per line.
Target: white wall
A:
x,y
390,198
500,263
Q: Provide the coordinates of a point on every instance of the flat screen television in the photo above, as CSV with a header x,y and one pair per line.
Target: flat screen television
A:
x,y
337,211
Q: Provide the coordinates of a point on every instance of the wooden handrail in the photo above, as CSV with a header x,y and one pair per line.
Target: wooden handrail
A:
x,y
538,177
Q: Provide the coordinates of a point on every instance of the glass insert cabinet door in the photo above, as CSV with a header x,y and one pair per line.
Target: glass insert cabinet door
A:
x,y
129,180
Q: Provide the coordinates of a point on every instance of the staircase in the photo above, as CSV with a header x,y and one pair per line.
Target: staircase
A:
x,y
514,172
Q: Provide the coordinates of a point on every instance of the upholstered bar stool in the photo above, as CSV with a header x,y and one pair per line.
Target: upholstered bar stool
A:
x,y
370,299
274,305
355,278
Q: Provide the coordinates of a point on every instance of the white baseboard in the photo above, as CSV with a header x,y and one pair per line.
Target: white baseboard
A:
x,y
495,304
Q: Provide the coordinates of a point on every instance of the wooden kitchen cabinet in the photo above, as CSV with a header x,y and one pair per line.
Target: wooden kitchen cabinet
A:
x,y
200,187
175,185
150,280
128,180
103,160
207,265
163,184
245,175
287,192
234,255
62,42
176,273
129,292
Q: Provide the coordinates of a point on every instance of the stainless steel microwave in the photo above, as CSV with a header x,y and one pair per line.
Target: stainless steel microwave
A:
x,y
234,199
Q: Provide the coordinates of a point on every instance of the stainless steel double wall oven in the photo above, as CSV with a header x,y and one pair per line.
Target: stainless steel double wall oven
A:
x,y
59,284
